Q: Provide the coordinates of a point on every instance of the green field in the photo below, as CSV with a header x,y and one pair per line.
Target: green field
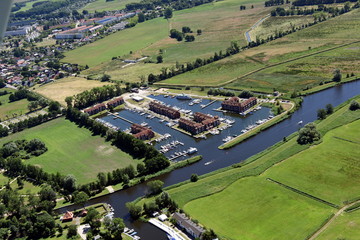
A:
x,y
29,4
239,195
294,75
103,5
221,22
276,212
345,226
73,150
9,109
122,42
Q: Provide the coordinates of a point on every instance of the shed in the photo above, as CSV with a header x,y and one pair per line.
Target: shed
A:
x,y
162,217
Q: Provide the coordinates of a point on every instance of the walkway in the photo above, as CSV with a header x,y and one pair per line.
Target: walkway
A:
x,y
167,229
326,225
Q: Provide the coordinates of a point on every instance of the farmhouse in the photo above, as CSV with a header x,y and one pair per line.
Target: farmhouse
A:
x,y
233,104
188,225
68,216
201,123
142,133
164,110
95,109
115,102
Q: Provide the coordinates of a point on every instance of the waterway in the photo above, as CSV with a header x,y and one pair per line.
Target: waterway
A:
x,y
208,148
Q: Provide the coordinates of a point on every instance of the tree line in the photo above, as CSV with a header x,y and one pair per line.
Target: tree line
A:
x,y
279,11
317,2
174,4
271,3
93,96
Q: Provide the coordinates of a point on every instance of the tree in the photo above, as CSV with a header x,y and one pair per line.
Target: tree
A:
x,y
337,75
189,38
70,183
208,235
321,114
141,17
134,210
72,231
105,78
69,101
81,198
246,94
329,109
354,105
47,194
93,218
155,187
199,32
115,228
159,59
44,225
194,177
308,134
168,13
186,29
32,106
2,83
54,106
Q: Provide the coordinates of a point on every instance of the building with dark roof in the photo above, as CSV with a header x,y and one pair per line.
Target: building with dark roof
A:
x,y
142,133
202,122
115,102
164,110
233,104
95,109
189,226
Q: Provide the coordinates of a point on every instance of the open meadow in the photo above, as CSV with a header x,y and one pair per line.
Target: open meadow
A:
x,y
73,150
312,40
221,22
9,109
70,86
103,5
239,194
346,226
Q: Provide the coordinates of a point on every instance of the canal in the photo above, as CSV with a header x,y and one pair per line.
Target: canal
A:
x,y
208,147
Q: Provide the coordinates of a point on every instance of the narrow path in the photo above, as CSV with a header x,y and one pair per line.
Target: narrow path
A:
x,y
9,183
247,34
326,225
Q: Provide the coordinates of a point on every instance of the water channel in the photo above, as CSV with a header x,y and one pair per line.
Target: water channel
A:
x,y
208,147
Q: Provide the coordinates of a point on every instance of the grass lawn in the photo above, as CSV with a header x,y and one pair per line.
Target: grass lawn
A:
x,y
277,212
70,86
329,170
7,109
73,150
122,42
103,5
345,226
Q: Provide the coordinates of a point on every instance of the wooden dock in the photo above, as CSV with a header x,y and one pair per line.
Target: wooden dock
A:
x,y
117,116
208,104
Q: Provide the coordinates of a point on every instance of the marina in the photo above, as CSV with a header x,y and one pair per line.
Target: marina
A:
x,y
213,158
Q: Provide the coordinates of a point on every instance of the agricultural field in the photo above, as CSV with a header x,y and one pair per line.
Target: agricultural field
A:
x,y
221,22
73,150
320,37
11,109
236,195
70,86
103,5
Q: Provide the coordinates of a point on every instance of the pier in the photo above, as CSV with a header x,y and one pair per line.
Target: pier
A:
x,y
117,116
202,107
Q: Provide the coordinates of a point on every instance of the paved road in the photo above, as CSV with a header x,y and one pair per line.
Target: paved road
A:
x,y
247,34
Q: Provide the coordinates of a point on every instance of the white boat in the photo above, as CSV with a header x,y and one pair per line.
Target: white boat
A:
x,y
207,163
301,122
183,96
192,150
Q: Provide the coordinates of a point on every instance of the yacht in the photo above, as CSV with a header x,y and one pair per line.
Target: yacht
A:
x,y
192,150
183,96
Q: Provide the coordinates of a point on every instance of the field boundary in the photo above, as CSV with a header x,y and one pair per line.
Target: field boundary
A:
x,y
347,140
260,69
304,193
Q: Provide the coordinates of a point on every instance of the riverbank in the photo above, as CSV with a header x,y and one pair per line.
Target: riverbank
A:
x,y
242,137
118,187
327,85
259,198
